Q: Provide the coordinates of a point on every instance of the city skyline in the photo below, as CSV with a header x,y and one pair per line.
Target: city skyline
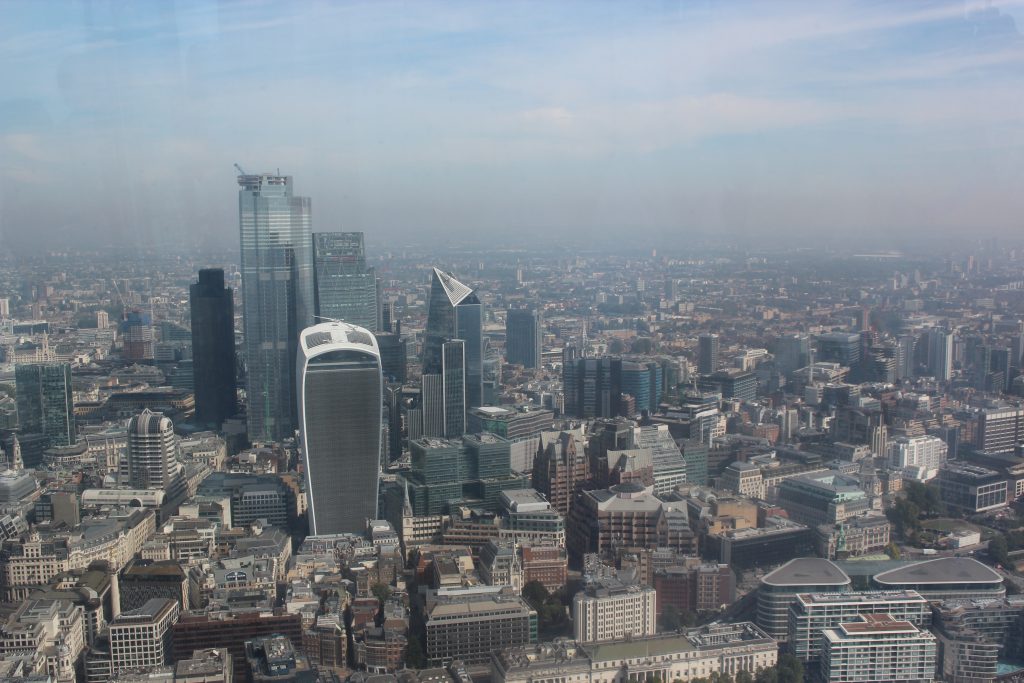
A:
x,y
833,122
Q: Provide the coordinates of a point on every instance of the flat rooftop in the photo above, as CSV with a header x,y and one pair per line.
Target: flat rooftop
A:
x,y
807,571
645,647
941,570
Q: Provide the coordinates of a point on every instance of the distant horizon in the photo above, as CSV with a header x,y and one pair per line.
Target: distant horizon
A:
x,y
856,122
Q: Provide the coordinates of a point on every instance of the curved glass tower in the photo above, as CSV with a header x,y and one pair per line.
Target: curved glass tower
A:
x,y
340,399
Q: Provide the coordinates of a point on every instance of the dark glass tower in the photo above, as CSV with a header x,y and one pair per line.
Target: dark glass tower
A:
x,y
45,403
345,288
277,298
213,348
340,397
455,312
523,332
707,353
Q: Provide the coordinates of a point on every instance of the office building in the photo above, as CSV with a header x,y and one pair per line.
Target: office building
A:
x,y
944,578
340,407
45,403
610,610
917,457
393,356
810,614
694,654
46,634
213,348
792,352
694,586
142,637
642,381
470,627
277,297
730,383
274,659
151,459
546,564
528,518
561,468
144,580
940,354
346,289
707,353
839,347
877,648
825,498
455,312
668,465
209,665
524,330
227,631
627,515
779,588
999,430
137,336
970,489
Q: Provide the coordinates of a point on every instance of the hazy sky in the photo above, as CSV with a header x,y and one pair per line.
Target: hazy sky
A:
x,y
431,121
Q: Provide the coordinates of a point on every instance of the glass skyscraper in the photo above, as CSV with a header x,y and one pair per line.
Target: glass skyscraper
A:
x,y
340,398
346,289
455,312
45,403
523,333
277,297
213,348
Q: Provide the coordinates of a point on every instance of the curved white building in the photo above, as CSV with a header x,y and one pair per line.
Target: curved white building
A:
x,y
340,395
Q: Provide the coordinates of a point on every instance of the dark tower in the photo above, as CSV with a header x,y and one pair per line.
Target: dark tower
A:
x,y
213,348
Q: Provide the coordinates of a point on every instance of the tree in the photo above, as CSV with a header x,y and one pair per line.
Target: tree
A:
x,y
671,618
892,550
535,593
382,592
744,677
998,550
414,655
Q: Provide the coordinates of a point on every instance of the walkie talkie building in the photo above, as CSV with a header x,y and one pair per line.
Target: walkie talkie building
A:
x,y
340,397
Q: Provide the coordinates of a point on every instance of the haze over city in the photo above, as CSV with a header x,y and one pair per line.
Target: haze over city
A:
x,y
509,122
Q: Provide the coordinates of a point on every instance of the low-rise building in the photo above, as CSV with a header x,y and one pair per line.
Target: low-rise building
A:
x,y
697,653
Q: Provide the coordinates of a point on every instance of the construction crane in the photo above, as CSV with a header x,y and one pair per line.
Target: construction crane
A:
x,y
240,171
124,306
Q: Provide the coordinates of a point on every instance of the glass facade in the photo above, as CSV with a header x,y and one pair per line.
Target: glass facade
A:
x,y
341,413
346,289
277,297
523,333
455,312
44,402
213,348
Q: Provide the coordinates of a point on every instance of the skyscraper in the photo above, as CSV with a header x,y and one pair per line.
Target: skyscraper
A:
x,y
137,336
455,312
45,403
213,347
151,459
443,398
345,288
940,354
523,334
340,398
792,352
707,353
277,297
